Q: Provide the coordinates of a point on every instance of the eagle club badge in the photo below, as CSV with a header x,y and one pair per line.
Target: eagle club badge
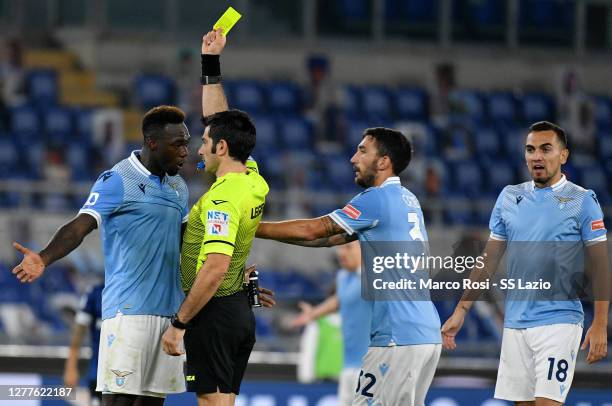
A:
x,y
120,380
563,200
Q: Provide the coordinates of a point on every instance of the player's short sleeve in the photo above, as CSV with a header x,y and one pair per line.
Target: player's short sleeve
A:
x,y
360,214
105,197
496,223
87,309
221,219
592,227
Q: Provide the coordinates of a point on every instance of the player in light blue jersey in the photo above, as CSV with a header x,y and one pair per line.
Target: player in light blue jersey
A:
x,y
544,226
139,206
405,334
355,313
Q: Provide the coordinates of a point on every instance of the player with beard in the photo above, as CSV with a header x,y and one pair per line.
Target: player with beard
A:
x,y
405,340
541,336
140,206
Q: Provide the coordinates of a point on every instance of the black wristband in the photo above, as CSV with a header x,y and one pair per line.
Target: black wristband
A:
x,y
211,65
177,323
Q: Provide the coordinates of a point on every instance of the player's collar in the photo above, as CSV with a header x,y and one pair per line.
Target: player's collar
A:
x,y
137,164
557,186
391,180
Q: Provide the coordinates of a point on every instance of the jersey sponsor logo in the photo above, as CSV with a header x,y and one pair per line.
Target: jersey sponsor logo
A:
x,y
92,199
217,202
256,211
142,187
217,223
120,380
351,211
597,225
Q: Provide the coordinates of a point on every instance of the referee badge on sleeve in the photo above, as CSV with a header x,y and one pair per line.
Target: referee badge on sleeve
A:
x,y
217,223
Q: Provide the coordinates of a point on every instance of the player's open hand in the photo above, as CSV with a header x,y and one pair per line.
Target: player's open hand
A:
x,y
266,297
597,340
451,328
172,341
213,42
31,266
303,318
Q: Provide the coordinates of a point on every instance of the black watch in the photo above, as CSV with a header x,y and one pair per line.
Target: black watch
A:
x,y
210,80
174,320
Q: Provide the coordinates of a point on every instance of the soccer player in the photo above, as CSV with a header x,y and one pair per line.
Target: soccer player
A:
x,y
139,206
216,244
405,337
89,316
541,337
355,313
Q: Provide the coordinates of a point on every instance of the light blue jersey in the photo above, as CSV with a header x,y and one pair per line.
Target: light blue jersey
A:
x,y
391,212
356,315
559,218
139,216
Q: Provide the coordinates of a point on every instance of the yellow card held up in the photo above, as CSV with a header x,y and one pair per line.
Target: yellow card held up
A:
x,y
227,20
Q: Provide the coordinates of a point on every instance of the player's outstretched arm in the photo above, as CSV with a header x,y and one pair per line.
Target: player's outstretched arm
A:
x,y
299,230
493,252
66,239
596,338
213,96
334,240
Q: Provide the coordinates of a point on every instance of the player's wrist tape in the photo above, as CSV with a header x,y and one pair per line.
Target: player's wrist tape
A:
x,y
211,68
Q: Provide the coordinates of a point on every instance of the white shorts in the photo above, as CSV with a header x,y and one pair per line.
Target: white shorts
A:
x,y
537,362
347,385
132,360
398,375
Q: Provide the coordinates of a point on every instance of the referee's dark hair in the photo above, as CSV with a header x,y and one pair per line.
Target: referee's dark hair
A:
x,y
394,144
548,126
155,120
236,128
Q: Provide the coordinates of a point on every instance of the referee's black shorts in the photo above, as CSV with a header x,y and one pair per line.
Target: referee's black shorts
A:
x,y
219,344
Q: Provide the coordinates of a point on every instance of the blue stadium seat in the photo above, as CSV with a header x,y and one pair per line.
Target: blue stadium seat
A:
x,y
603,112
296,133
467,178
42,87
502,108
468,103
283,97
153,90
351,103
499,174
339,172
25,122
594,177
57,124
486,142
537,107
355,9
416,11
34,159
266,133
546,14
77,158
411,103
513,141
83,123
481,12
458,211
248,96
9,158
354,134
605,145
376,102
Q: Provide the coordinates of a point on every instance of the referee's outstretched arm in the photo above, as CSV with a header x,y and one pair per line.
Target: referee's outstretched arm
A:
x,y
213,96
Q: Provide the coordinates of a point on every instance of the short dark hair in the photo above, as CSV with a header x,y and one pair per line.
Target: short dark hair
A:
x,y
236,128
155,120
394,144
548,126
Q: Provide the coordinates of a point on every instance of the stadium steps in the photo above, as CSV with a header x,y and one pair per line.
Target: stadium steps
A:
x,y
131,125
42,58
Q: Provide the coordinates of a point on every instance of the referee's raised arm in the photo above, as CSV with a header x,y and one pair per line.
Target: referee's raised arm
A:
x,y
213,96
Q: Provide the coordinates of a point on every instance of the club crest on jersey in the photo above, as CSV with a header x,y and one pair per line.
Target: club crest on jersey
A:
x,y
351,211
120,380
563,200
597,225
217,223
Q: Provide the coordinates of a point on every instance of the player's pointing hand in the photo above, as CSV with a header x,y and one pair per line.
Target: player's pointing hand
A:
x,y
31,266
213,42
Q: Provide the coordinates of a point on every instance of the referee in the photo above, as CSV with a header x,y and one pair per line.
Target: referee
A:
x,y
216,245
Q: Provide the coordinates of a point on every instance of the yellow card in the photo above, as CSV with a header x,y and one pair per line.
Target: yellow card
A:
x,y
227,20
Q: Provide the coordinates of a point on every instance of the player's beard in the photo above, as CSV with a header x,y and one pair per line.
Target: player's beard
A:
x,y
367,177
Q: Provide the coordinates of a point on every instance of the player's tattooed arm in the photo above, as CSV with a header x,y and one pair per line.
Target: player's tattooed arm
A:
x,y
338,239
299,230
66,239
